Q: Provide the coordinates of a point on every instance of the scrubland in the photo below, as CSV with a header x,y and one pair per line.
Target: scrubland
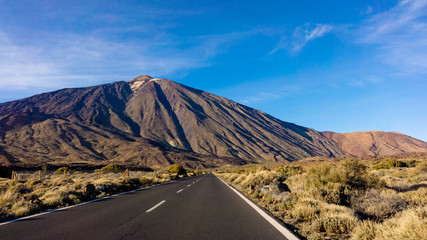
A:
x,y
346,199
40,191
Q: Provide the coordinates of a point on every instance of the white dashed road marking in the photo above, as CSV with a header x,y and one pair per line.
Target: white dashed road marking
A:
x,y
156,206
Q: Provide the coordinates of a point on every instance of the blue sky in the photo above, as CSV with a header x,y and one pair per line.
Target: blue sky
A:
x,y
330,65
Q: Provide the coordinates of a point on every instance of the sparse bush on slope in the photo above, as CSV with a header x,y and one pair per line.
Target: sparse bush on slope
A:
x,y
408,225
177,169
390,163
109,169
377,206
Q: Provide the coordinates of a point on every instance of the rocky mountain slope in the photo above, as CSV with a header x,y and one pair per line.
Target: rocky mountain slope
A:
x,y
151,122
374,143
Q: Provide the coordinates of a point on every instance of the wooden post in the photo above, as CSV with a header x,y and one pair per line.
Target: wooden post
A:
x,y
40,175
65,173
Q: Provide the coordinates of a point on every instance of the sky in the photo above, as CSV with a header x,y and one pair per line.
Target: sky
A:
x,y
331,65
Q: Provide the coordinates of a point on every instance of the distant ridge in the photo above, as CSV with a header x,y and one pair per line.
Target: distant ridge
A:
x,y
156,122
376,143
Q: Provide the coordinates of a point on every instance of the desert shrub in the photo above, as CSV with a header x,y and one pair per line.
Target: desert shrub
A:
x,y
45,167
335,193
177,169
422,166
40,191
349,172
415,198
408,225
260,178
54,198
365,230
7,198
256,194
334,223
109,169
32,183
336,183
389,163
289,170
20,208
239,179
306,209
268,198
231,176
296,183
190,172
131,182
324,217
373,204
418,174
410,163
146,181
62,170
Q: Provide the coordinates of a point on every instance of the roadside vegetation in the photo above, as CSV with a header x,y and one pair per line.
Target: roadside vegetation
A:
x,y
346,199
30,192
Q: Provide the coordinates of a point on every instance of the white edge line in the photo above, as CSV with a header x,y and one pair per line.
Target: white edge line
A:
x,y
288,234
79,204
155,206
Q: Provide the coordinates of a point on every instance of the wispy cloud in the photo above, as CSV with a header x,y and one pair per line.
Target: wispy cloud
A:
x,y
262,91
401,36
63,60
301,36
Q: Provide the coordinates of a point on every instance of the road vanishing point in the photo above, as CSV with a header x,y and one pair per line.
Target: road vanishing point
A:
x,y
201,207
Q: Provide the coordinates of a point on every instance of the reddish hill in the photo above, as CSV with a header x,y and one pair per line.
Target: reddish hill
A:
x,y
373,143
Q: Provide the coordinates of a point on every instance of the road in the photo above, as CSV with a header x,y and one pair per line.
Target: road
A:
x,y
201,207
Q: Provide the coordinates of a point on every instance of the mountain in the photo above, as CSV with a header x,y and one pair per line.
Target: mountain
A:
x,y
151,122
375,143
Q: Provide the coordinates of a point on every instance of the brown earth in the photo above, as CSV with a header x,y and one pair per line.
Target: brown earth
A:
x,y
376,143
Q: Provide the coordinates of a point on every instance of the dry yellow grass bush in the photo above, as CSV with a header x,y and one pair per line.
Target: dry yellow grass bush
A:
x,y
409,225
375,205
415,198
365,230
260,178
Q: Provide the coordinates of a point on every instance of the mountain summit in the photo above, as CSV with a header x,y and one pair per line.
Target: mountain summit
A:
x,y
151,122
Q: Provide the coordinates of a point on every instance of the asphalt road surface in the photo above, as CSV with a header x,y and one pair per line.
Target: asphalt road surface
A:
x,y
201,207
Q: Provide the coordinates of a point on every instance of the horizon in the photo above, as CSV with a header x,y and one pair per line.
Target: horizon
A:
x,y
341,67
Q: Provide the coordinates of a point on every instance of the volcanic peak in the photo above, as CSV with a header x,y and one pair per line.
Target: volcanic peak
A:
x,y
139,81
